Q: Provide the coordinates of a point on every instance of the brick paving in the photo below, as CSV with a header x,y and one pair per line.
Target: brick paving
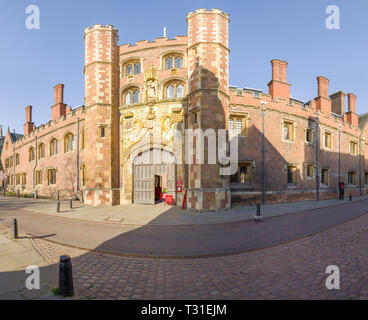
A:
x,y
291,271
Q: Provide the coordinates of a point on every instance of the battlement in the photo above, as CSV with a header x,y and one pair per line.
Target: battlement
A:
x,y
146,44
54,124
205,11
100,27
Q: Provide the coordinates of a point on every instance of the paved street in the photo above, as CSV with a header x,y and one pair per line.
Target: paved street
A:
x,y
183,241
294,270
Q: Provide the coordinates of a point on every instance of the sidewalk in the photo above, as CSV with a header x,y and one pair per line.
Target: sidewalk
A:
x,y
140,215
15,257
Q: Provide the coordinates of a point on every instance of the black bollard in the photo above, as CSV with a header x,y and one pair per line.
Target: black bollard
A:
x,y
258,210
35,194
58,206
4,192
350,198
65,277
15,229
18,193
71,203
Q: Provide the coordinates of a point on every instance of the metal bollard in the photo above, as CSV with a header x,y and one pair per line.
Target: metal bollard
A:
x,y
57,195
350,198
4,192
15,229
35,194
258,217
71,203
58,206
65,277
18,193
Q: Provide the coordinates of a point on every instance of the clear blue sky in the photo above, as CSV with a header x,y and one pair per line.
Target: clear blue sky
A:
x,y
32,62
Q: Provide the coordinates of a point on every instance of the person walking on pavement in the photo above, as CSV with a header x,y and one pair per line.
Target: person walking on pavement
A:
x,y
341,190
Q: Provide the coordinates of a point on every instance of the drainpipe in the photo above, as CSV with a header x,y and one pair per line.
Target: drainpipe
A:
x,y
77,156
339,154
317,158
263,154
14,178
35,167
360,165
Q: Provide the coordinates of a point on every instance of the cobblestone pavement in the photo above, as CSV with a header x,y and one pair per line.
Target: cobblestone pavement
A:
x,y
180,241
291,271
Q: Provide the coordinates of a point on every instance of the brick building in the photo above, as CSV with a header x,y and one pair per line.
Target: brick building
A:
x,y
139,98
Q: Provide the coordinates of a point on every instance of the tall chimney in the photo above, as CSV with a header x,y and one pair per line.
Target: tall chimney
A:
x,y
59,108
278,87
323,102
29,125
352,102
322,86
351,116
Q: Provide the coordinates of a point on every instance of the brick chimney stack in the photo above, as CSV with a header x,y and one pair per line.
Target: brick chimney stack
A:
x,y
352,102
338,102
59,108
278,87
29,125
351,117
323,102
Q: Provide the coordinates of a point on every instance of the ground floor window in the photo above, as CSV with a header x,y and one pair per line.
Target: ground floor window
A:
x,y
84,172
309,170
352,177
243,175
17,179
292,175
51,176
24,179
38,177
366,178
325,177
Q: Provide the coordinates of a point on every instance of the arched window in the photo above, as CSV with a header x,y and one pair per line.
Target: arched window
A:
x,y
17,159
54,147
41,151
31,154
169,63
129,70
69,142
137,68
136,96
170,92
83,139
175,90
128,98
179,62
84,174
131,95
180,91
